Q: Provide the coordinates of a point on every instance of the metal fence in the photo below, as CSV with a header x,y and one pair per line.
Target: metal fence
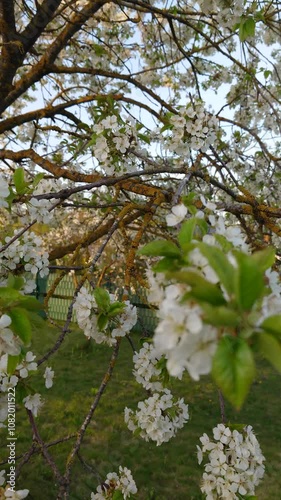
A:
x,y
61,299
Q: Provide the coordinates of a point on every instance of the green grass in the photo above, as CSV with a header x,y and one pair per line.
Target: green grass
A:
x,y
170,470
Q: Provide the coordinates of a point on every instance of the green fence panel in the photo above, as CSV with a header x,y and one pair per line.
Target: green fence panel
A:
x,y
60,301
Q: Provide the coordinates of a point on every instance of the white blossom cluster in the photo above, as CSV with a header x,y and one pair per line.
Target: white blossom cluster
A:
x,y
6,381
227,15
181,336
38,210
28,250
192,129
234,463
177,215
48,376
145,368
155,293
26,365
158,418
11,493
232,233
4,192
113,138
87,319
122,482
33,403
9,343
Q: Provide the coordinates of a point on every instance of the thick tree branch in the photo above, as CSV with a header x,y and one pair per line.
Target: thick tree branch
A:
x,y
42,67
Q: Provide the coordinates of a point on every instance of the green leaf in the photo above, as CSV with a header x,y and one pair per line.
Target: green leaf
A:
x,y
185,235
102,321
144,138
38,178
22,391
233,369
264,258
270,348
202,225
237,427
250,26
225,245
117,495
30,303
19,181
21,324
102,299
201,288
246,28
220,264
115,309
15,282
249,281
9,296
220,316
273,325
160,248
13,361
267,73
166,264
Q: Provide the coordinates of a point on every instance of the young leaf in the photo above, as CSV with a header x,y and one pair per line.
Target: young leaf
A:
x,y
220,316
115,309
117,495
270,348
249,281
102,299
38,178
13,361
19,181
273,325
30,303
9,296
233,369
220,264
264,258
160,248
166,264
186,233
201,289
246,28
102,321
15,282
144,138
21,324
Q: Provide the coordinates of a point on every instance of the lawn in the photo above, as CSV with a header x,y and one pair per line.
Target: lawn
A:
x,y
167,472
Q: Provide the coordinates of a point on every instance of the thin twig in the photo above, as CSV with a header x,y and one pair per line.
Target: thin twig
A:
x,y
37,438
222,407
87,420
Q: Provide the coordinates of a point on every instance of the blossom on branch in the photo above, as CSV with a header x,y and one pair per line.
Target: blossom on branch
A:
x,y
178,214
233,463
122,482
33,403
48,376
158,418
